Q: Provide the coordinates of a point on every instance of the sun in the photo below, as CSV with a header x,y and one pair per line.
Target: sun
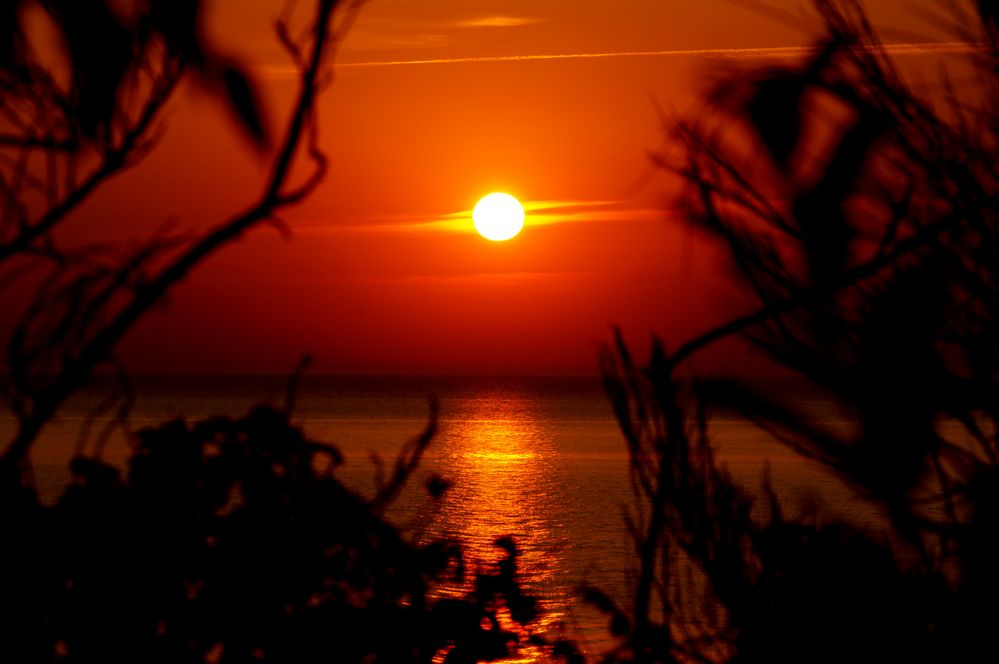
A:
x,y
498,217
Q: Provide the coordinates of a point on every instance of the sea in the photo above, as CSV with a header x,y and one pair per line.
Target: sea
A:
x,y
540,459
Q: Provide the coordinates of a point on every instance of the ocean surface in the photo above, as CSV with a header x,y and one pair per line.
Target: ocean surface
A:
x,y
539,459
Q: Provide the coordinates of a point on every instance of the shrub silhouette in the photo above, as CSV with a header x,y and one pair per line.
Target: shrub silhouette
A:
x,y
232,540
868,244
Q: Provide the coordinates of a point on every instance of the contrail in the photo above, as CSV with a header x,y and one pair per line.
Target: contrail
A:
x,y
916,48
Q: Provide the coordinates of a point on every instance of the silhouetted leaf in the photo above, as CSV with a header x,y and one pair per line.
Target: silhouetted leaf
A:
x,y
93,472
775,105
102,51
523,608
567,651
598,599
775,112
10,34
436,486
178,22
244,101
988,10
619,624
507,543
821,209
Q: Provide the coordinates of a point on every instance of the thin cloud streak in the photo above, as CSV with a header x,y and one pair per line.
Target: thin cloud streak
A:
x,y
539,213
918,48
487,278
518,278
498,22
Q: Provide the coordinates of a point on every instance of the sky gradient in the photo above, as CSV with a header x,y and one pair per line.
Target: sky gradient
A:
x,y
434,105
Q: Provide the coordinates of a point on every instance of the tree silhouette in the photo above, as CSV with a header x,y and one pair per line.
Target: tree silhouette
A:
x,y
868,239
58,146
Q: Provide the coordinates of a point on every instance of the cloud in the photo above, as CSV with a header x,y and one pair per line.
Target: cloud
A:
x,y
486,278
381,36
539,213
516,278
391,35
498,22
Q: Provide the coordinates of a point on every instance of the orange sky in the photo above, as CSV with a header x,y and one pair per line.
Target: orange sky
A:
x,y
373,281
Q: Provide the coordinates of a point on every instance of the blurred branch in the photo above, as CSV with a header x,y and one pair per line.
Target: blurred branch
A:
x,y
406,462
300,132
113,161
866,239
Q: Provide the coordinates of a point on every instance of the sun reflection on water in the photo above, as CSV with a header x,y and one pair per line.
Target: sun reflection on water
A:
x,y
501,460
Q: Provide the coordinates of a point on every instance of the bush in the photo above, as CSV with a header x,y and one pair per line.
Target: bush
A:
x,y
232,540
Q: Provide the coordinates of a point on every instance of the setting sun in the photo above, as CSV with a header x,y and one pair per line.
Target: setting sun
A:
x,y
280,377
498,217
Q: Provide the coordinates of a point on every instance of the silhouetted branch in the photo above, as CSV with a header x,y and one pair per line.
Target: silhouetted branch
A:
x,y
294,380
868,246
113,161
406,462
300,131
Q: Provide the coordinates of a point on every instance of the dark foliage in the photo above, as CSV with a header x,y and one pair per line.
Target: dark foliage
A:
x,y
108,44
867,238
234,541
70,124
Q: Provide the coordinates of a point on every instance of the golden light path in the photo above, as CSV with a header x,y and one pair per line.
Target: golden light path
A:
x,y
498,217
503,486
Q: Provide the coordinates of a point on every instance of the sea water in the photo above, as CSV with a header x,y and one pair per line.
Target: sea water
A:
x,y
540,459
